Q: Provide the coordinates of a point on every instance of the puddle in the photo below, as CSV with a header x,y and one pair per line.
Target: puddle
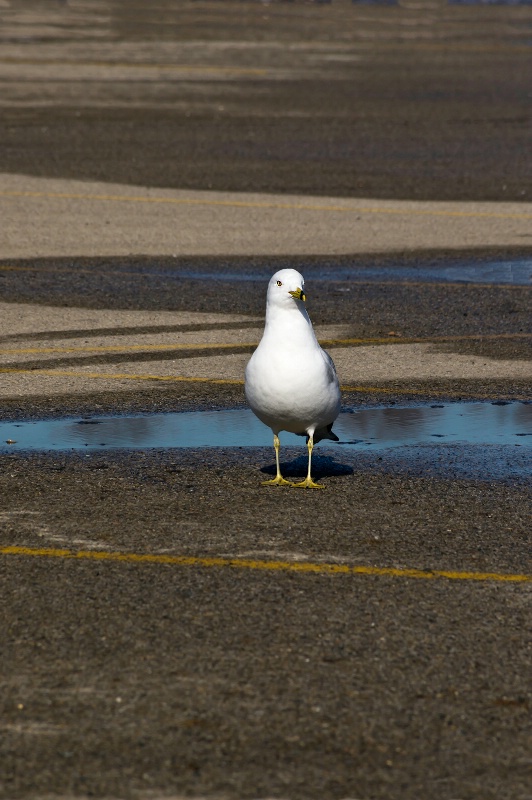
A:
x,y
513,273
373,429
499,272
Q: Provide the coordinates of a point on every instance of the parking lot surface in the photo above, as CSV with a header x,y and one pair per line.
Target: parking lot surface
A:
x,y
170,627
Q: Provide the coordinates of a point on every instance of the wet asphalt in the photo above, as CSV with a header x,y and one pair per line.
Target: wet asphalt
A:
x,y
146,680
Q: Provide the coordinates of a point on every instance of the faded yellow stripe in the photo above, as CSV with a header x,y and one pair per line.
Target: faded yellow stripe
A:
x,y
80,270
189,201
355,341
116,376
127,348
55,62
305,567
237,382
426,340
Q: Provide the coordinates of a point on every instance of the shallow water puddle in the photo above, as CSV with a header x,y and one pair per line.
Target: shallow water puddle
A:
x,y
496,272
369,429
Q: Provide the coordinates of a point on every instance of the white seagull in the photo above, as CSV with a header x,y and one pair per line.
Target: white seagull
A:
x,y
291,383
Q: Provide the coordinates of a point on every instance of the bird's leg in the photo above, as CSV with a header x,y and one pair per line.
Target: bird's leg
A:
x,y
278,480
308,483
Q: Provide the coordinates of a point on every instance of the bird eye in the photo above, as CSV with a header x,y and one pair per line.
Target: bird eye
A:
x,y
279,283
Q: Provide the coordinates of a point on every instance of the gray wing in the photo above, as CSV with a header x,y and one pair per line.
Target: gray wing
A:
x,y
331,369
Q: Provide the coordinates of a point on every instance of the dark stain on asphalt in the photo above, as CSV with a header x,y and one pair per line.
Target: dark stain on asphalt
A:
x,y
372,309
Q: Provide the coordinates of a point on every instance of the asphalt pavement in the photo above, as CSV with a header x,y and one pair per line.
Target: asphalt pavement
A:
x,y
170,627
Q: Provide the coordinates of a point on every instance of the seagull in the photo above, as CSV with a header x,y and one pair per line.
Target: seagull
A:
x,y
291,383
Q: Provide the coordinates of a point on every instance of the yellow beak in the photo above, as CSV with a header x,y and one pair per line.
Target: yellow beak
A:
x,y
298,294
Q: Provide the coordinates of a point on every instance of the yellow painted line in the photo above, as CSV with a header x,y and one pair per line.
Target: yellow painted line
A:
x,y
301,567
371,43
445,47
80,270
354,341
235,382
128,348
54,62
459,47
117,376
431,393
188,201
424,340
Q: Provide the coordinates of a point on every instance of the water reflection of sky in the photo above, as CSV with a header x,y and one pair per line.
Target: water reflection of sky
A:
x,y
375,429
496,272
474,423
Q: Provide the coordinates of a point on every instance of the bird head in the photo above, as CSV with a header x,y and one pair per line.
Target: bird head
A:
x,y
285,287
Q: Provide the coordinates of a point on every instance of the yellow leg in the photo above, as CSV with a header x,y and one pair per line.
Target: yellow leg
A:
x,y
278,480
308,483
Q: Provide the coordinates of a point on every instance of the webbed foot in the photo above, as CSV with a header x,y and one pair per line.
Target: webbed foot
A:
x,y
277,481
308,483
